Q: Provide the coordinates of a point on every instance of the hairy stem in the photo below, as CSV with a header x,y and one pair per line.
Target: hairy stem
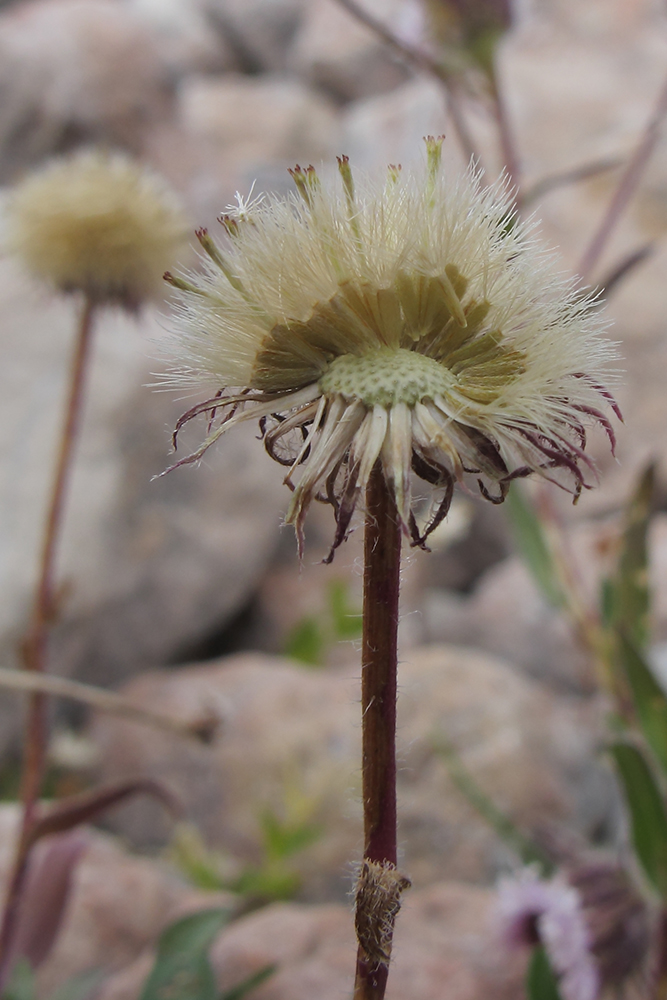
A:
x,y
382,551
36,640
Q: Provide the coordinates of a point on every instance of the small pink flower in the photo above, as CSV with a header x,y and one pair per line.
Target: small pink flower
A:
x,y
532,910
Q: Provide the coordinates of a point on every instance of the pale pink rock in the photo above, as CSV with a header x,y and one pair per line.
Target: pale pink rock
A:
x,y
118,906
260,119
444,949
151,567
333,50
75,70
289,739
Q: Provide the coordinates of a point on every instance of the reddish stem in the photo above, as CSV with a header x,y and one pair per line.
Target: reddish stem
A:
x,y
424,62
35,645
626,186
382,560
658,986
506,136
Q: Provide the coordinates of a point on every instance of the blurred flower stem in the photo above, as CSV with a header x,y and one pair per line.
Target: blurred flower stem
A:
x,y
506,138
382,562
201,728
424,62
35,644
626,186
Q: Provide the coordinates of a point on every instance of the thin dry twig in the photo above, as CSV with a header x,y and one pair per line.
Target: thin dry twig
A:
x,y
102,700
421,61
620,271
66,814
507,140
573,176
36,640
626,186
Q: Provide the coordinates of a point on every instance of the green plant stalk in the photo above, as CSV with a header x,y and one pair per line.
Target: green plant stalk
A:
x,y
382,561
528,850
35,644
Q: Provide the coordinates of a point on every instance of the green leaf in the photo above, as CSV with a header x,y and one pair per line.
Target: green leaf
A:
x,y
21,985
500,822
268,882
347,623
647,813
305,642
188,851
626,602
284,839
249,984
533,545
182,970
648,697
541,981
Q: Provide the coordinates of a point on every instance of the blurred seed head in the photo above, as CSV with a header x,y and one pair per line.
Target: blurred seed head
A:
x,y
617,916
98,223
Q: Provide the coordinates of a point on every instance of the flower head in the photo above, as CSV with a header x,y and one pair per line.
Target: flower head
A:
x,y
415,323
97,223
592,922
533,910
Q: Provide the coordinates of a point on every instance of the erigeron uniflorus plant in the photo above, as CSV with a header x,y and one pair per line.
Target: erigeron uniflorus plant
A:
x,y
381,329
102,227
412,323
96,223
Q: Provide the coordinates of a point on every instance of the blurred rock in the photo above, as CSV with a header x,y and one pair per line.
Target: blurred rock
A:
x,y
248,36
335,52
75,71
443,950
233,131
259,32
389,128
118,906
474,537
319,595
289,742
258,120
185,35
507,615
595,18
150,568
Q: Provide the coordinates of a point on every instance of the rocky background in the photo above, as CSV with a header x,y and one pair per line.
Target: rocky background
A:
x,y
186,593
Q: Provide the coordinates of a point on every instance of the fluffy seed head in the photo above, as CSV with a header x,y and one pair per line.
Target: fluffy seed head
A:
x,y
412,322
96,223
